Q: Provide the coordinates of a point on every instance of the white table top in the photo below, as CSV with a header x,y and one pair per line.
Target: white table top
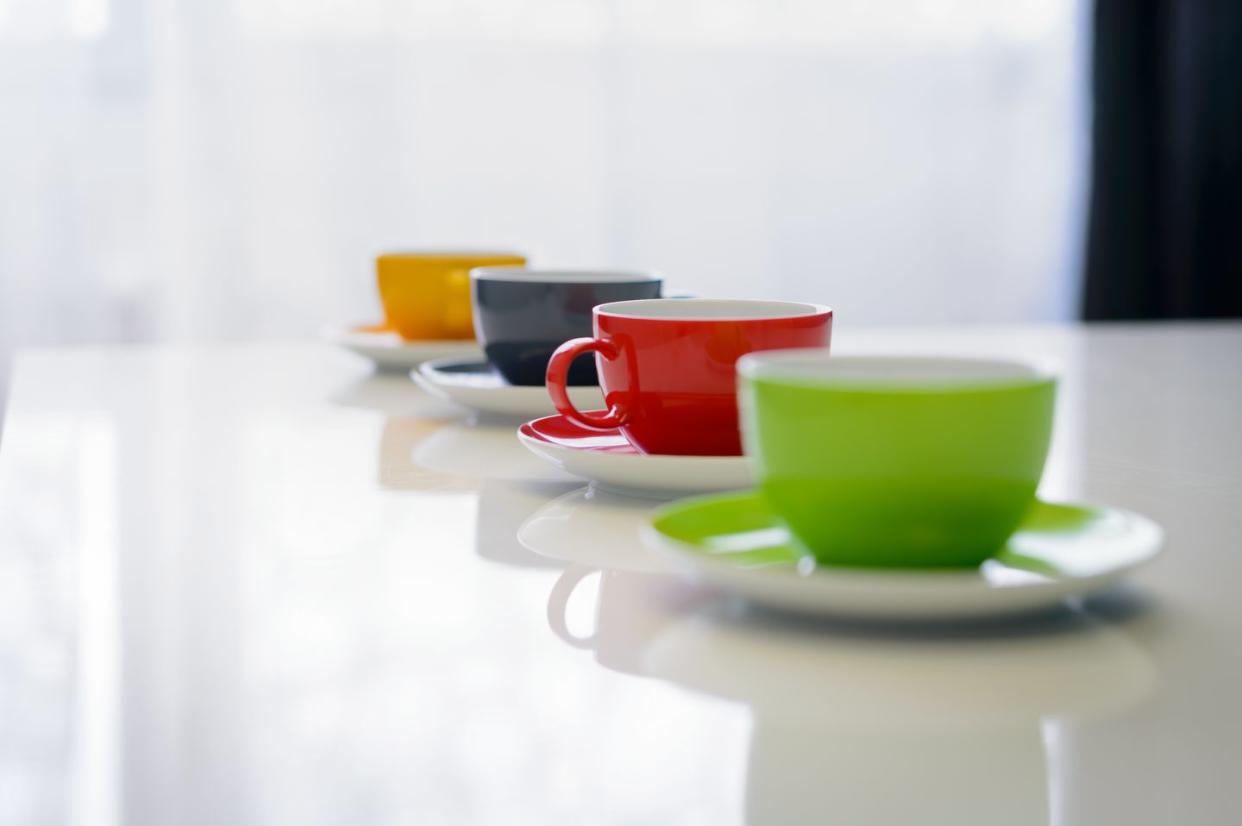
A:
x,y
254,585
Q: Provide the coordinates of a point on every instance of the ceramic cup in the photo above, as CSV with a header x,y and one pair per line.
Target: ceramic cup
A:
x,y
521,315
667,367
426,295
890,461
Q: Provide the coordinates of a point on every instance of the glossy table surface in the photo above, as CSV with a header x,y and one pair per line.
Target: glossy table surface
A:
x,y
257,585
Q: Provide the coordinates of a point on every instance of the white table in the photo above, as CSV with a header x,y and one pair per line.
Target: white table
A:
x,y
253,585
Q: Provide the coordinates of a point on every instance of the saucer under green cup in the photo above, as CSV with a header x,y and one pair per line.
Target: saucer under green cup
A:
x,y
896,462
735,543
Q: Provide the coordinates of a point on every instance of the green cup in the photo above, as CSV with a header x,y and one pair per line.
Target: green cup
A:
x,y
896,462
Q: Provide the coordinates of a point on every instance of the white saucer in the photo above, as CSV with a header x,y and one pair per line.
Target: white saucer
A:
x,y
736,544
606,458
473,383
387,351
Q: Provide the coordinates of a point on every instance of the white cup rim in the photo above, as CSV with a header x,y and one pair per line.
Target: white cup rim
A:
x,y
710,310
534,275
885,373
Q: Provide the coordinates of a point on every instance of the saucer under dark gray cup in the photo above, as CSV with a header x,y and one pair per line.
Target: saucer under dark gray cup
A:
x,y
521,315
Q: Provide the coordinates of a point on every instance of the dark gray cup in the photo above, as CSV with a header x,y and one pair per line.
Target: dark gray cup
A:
x,y
521,315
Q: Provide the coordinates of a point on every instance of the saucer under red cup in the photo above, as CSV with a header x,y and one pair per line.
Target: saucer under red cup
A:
x,y
667,366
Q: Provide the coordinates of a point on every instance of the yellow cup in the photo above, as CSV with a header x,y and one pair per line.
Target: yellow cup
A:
x,y
426,295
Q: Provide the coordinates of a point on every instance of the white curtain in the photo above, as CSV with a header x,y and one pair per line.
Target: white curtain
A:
x,y
189,169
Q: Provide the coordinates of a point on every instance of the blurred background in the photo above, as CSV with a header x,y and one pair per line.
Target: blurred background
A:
x,y
204,170
187,169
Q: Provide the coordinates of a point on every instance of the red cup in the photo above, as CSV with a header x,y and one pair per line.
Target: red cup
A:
x,y
667,367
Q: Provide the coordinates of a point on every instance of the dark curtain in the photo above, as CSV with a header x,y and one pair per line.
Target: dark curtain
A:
x,y
1165,233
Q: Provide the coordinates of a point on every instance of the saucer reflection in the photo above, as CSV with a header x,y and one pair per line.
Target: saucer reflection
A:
x,y
873,724
593,527
397,469
957,721
502,507
394,393
596,533
483,448
1061,664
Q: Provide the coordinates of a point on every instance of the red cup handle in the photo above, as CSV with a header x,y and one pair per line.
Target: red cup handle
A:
x,y
558,374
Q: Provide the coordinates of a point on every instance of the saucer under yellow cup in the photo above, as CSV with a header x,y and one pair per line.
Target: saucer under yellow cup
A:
x,y
426,295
